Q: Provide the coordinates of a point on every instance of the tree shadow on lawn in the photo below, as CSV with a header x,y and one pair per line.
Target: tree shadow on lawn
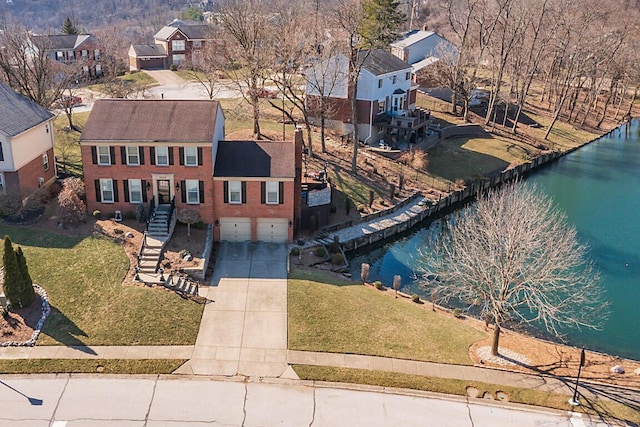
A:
x,y
27,235
450,160
62,329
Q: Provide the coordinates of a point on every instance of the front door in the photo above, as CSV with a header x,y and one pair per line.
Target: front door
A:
x,y
164,191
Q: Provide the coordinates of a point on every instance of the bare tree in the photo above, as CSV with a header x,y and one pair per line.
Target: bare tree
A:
x,y
26,65
189,216
515,258
416,159
245,48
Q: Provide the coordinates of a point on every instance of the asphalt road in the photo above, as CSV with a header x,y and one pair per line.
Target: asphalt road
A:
x,y
86,400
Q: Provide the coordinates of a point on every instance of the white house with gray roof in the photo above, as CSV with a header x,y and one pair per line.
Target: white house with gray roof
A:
x,y
386,97
26,144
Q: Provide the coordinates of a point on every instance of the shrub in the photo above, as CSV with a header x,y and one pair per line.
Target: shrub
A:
x,y
457,313
295,251
321,252
415,298
71,207
173,67
378,285
337,259
18,286
200,225
118,231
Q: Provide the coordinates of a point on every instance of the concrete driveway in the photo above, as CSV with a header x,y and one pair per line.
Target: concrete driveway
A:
x,y
244,330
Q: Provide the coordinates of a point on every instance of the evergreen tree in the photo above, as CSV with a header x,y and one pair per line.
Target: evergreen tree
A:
x,y
27,293
69,27
12,276
381,23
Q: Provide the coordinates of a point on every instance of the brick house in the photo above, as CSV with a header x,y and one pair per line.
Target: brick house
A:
x,y
151,151
257,190
178,43
159,152
26,144
386,97
82,50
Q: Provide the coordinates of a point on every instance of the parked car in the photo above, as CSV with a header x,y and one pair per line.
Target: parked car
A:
x,y
265,93
69,101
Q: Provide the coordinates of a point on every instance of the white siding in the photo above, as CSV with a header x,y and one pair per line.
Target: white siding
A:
x,y
331,76
27,146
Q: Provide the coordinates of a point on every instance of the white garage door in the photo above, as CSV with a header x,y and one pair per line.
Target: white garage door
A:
x,y
235,229
273,229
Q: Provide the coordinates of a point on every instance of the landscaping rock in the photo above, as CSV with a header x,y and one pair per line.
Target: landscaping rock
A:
x,y
188,257
636,372
129,235
617,369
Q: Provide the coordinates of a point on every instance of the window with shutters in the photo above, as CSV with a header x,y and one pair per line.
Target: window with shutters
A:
x,y
135,191
272,192
133,156
191,156
235,192
106,190
162,156
193,192
104,155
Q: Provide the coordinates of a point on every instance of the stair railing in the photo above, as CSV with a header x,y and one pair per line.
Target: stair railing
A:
x,y
150,212
171,212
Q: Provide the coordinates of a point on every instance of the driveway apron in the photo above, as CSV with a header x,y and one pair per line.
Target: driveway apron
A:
x,y
244,329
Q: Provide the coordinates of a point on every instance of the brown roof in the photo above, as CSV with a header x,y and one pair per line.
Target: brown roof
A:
x,y
151,120
255,159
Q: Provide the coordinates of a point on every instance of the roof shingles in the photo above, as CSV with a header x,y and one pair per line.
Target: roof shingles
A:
x,y
151,120
19,113
257,159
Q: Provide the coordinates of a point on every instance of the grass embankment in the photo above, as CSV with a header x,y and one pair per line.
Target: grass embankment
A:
x,y
340,317
82,366
606,409
66,148
89,305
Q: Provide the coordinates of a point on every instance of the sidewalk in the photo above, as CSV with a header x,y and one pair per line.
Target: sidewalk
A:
x,y
378,225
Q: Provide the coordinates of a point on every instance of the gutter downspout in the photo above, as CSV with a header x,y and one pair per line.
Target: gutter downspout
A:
x,y
366,141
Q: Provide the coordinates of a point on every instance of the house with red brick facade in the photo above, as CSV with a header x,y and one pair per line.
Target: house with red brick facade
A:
x,y
151,152
172,153
386,97
26,144
82,50
176,44
257,190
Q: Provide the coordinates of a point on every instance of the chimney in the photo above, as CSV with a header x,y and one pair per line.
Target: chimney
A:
x,y
297,182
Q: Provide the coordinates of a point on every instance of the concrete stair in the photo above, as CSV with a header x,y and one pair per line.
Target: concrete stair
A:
x,y
159,223
181,284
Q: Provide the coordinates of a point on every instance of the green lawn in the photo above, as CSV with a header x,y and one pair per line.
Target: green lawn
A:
x,y
469,158
76,366
608,410
89,305
341,317
140,78
66,148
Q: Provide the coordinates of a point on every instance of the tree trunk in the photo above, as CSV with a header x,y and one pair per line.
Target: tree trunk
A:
x,y
496,339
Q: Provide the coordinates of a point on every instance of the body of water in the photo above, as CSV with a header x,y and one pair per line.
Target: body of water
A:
x,y
598,187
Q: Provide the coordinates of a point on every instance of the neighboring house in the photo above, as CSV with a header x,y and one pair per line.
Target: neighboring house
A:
x,y
386,98
257,190
179,43
81,49
420,49
26,144
147,57
151,151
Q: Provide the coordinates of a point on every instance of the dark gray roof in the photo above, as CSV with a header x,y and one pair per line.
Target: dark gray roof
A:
x,y
149,50
380,62
259,159
19,113
64,41
193,32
